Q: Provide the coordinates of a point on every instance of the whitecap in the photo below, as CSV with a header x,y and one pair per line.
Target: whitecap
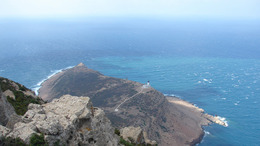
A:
x,y
236,103
54,72
205,80
199,82
223,119
224,98
235,85
206,132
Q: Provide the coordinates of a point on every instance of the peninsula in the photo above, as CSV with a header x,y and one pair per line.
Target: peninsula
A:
x,y
167,120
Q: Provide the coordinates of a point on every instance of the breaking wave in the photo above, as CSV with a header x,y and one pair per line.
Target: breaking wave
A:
x,y
53,72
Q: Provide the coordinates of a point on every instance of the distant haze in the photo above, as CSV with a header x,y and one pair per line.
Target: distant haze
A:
x,y
121,8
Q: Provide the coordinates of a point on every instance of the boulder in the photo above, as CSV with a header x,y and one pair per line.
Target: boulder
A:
x,y
132,134
70,120
4,131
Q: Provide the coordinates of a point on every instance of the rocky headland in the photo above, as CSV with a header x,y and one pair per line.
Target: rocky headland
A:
x,y
69,120
168,121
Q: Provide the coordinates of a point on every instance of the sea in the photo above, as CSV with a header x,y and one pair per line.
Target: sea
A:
x,y
212,63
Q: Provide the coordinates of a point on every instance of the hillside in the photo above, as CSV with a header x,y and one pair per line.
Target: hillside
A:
x,y
14,101
26,120
129,103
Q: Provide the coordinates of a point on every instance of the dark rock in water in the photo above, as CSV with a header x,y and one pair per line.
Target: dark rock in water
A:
x,y
129,103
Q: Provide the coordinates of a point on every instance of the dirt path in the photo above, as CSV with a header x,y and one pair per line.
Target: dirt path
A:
x,y
141,91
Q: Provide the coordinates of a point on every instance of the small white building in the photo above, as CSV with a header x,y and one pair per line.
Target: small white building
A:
x,y
147,85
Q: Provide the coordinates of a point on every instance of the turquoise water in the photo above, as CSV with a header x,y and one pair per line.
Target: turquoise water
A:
x,y
213,64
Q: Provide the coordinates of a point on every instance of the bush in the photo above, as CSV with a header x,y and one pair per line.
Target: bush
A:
x,y
37,140
125,143
21,102
117,132
12,142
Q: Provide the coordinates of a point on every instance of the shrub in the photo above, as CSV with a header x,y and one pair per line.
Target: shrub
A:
x,y
11,142
37,140
21,102
124,142
117,132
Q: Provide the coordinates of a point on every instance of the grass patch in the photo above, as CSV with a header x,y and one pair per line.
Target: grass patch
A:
x,y
21,102
117,132
38,140
12,142
125,143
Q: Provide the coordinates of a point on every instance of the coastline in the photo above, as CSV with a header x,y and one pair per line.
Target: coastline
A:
x,y
188,118
37,87
204,119
213,119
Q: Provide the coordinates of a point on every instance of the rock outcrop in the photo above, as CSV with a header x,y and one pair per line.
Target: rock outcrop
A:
x,y
68,120
132,134
6,109
136,135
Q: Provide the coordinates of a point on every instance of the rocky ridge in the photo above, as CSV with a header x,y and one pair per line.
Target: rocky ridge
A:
x,y
70,120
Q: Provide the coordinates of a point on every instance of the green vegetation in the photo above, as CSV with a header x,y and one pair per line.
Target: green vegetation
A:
x,y
125,143
37,140
6,84
11,142
22,88
117,132
21,101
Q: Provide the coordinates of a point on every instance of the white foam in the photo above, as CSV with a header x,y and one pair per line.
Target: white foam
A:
x,y
235,85
236,103
53,72
223,119
206,132
224,98
206,80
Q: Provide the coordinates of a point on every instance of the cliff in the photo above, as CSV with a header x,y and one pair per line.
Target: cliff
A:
x,y
68,120
14,101
129,103
6,109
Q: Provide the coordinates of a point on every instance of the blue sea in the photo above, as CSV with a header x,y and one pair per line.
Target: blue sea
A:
x,y
214,64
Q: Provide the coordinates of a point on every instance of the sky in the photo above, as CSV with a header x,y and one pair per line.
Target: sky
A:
x,y
146,8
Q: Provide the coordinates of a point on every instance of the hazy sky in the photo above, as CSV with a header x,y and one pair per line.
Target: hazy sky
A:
x,y
149,8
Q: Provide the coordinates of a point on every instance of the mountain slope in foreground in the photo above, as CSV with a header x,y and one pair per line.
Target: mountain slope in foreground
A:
x,y
129,103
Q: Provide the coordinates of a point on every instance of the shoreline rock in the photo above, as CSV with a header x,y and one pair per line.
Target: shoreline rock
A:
x,y
212,119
